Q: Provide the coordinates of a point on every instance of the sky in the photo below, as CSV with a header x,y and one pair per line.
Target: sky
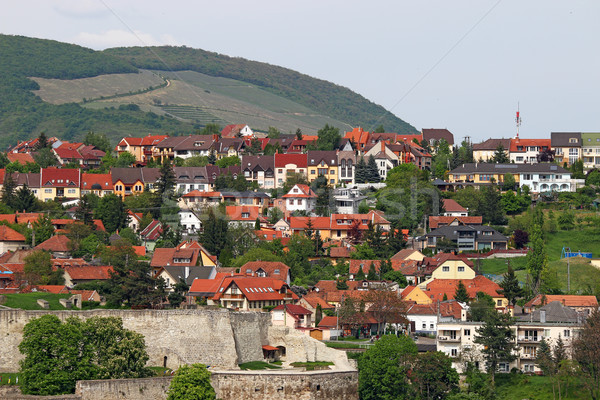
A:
x,y
464,65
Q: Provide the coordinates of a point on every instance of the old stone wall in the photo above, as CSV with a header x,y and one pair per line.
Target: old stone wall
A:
x,y
282,385
214,337
121,389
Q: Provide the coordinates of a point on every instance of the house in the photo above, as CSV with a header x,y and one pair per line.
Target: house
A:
x,y
258,199
312,301
134,220
566,146
267,269
75,274
347,199
590,150
21,158
437,289
413,294
151,233
132,181
582,304
190,220
435,221
323,163
189,179
540,177
485,151
141,148
245,215
346,166
358,137
98,184
450,266
59,183
173,274
300,198
291,315
259,169
551,322
236,131
408,254
466,237
425,317
184,147
185,255
289,164
384,157
330,327
11,240
337,226
527,150
58,245
63,223
229,147
453,209
434,136
252,293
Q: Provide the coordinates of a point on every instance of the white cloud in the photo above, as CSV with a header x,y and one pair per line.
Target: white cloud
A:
x,y
122,38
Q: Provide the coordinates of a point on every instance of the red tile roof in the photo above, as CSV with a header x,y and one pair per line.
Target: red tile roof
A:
x,y
10,235
438,287
55,243
304,192
450,205
293,309
59,177
328,322
313,299
163,257
273,269
21,158
232,130
299,160
197,193
525,143
96,181
565,299
235,213
89,272
255,288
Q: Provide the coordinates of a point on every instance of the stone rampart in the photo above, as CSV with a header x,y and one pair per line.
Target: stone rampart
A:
x,y
173,337
121,389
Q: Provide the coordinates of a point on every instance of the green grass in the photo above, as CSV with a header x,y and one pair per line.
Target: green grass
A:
x,y
28,301
257,365
6,376
533,387
498,266
344,345
161,371
312,365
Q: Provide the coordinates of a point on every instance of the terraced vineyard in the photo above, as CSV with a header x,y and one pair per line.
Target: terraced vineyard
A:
x,y
195,114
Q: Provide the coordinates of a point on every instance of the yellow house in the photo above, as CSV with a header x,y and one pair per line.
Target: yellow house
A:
x,y
452,268
323,163
483,173
132,181
140,148
59,183
414,293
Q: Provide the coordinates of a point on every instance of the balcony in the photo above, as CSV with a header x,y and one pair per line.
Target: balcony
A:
x,y
232,297
449,339
527,356
530,339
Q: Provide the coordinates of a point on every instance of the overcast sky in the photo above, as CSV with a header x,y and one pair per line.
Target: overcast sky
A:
x,y
460,64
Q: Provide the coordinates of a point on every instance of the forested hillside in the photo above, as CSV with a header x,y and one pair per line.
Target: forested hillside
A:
x,y
324,97
23,115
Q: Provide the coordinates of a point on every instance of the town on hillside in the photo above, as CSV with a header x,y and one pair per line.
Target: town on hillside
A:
x,y
483,252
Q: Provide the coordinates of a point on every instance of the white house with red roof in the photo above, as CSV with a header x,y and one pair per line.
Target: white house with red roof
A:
x,y
252,293
453,209
291,315
300,198
11,240
267,269
237,130
98,184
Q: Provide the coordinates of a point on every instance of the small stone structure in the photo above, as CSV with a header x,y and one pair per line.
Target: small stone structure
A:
x,y
43,303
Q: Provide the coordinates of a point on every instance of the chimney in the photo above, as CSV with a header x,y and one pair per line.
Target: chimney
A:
x,y
543,316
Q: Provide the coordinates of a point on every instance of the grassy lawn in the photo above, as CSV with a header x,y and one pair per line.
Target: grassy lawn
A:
x,y
344,345
257,365
510,387
5,377
498,266
28,301
161,371
312,365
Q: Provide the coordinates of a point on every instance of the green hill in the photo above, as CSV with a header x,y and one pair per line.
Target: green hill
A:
x,y
68,90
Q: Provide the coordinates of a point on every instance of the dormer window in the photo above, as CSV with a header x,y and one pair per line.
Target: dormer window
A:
x,y
572,140
276,271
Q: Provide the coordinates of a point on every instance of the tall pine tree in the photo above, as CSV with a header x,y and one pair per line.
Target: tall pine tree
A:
x,y
372,171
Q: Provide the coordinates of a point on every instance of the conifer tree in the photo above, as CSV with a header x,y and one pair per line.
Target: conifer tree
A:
x,y
360,275
510,286
461,293
360,172
497,339
372,275
372,171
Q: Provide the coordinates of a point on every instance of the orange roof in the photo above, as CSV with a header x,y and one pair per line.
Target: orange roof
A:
x,y
10,235
197,193
328,322
55,243
358,136
525,143
89,272
238,213
21,158
314,300
569,300
273,269
255,288
96,181
51,288
438,287
293,309
450,205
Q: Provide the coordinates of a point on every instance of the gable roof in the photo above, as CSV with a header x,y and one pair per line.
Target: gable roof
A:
x,y
21,158
96,181
492,144
314,300
437,288
524,143
178,272
299,160
555,312
58,243
304,192
165,257
152,231
329,158
438,134
129,176
294,310
404,254
60,177
563,139
435,221
450,205
273,269
8,234
256,288
328,322
569,300
89,272
231,131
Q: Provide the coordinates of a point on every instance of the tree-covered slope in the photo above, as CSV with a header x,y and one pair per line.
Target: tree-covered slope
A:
x,y
324,97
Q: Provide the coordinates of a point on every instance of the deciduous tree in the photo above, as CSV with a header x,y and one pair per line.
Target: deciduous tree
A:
x,y
191,382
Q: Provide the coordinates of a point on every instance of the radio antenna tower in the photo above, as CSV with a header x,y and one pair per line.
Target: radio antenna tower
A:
x,y
518,120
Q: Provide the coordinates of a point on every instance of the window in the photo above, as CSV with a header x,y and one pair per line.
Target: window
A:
x,y
453,352
503,367
461,269
446,269
332,172
499,303
299,202
467,332
572,140
431,326
71,191
519,159
424,325
245,215
47,190
313,172
528,368
567,333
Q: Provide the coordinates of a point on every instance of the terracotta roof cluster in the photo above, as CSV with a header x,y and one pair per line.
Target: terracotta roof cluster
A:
x,y
448,308
437,288
569,300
